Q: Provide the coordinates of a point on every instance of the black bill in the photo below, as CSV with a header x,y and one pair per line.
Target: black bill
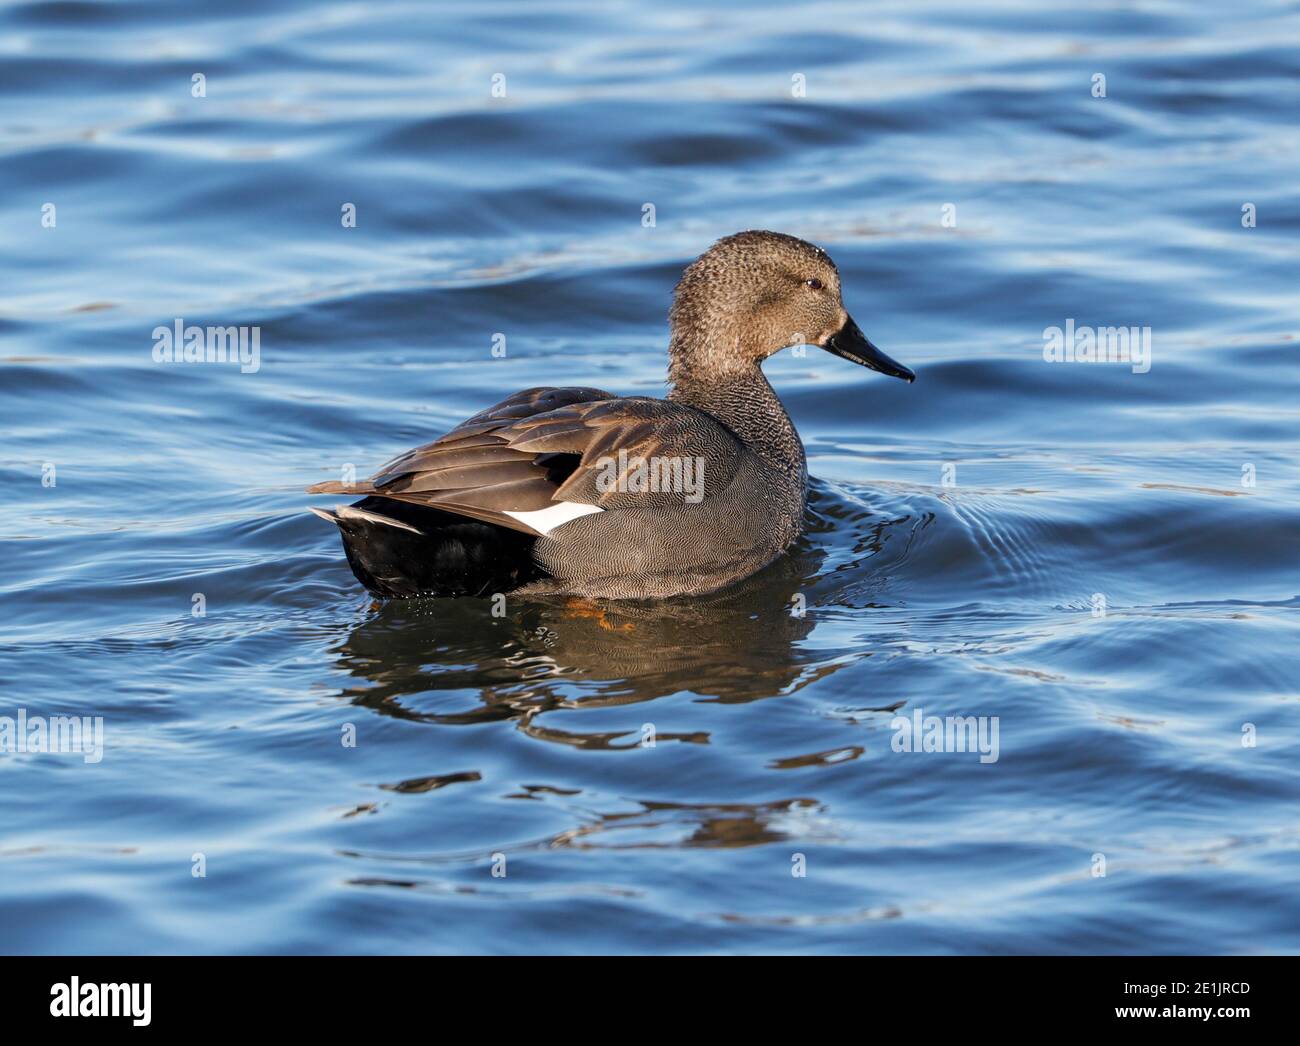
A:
x,y
851,344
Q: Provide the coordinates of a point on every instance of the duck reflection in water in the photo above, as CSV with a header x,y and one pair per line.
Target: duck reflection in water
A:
x,y
418,659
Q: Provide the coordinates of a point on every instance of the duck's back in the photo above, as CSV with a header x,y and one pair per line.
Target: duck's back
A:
x,y
622,497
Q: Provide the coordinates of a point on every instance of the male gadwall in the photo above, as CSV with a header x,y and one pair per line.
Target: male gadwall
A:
x,y
574,491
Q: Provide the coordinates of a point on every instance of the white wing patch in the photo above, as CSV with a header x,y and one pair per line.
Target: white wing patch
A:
x,y
544,520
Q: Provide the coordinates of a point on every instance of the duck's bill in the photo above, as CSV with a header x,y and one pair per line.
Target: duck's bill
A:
x,y
851,344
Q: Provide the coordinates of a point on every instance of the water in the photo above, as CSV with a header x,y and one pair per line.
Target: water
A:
x,y
1072,548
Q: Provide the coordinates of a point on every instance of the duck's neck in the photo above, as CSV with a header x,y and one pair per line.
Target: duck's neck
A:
x,y
744,401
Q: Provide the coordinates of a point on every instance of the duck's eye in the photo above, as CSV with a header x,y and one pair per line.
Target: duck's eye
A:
x,y
814,283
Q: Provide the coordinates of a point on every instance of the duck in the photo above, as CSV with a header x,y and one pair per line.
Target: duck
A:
x,y
580,493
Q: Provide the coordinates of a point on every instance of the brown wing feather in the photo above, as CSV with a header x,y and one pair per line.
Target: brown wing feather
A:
x,y
500,460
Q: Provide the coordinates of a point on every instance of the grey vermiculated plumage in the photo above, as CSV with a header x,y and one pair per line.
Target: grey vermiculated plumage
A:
x,y
744,299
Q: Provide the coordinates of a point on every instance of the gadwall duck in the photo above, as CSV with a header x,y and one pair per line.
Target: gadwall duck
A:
x,y
578,492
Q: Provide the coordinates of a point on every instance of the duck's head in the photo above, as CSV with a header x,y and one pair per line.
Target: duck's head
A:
x,y
751,295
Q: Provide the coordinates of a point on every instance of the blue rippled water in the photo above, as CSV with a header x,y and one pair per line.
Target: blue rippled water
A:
x,y
1102,557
